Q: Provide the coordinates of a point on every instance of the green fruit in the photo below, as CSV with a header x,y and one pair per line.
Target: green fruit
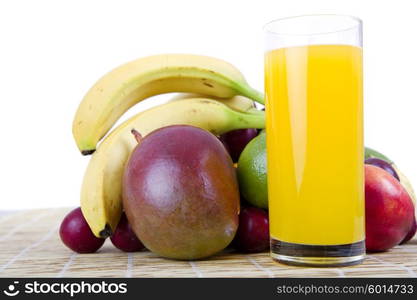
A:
x,y
251,172
371,153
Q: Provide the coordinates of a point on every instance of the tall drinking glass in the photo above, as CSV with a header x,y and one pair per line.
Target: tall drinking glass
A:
x,y
315,151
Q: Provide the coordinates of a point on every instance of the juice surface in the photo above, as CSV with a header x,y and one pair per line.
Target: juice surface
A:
x,y
315,144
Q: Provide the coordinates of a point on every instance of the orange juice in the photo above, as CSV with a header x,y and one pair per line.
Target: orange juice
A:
x,y
315,144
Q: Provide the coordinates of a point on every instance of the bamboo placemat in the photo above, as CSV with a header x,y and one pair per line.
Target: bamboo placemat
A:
x,y
30,247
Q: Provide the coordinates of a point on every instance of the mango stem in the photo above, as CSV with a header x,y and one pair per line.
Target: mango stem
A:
x,y
137,135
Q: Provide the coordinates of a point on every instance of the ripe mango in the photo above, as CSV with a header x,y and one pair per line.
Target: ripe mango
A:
x,y
180,193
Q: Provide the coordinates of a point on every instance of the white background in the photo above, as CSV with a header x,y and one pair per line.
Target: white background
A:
x,y
51,52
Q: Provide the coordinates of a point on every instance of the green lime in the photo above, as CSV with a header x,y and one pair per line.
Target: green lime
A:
x,y
251,172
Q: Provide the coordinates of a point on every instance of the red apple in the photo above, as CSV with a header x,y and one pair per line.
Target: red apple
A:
x,y
389,210
411,233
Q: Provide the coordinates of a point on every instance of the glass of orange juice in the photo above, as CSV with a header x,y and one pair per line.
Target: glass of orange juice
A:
x,y
314,129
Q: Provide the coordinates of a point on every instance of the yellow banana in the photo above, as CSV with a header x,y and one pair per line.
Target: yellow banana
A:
x,y
238,103
101,192
130,83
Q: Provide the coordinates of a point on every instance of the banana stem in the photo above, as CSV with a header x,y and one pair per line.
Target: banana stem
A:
x,y
251,93
251,119
255,111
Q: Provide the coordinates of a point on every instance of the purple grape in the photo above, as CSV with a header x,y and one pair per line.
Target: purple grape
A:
x,y
124,238
77,235
236,140
383,165
253,232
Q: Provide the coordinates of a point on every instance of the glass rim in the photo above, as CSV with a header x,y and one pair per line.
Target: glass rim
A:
x,y
356,20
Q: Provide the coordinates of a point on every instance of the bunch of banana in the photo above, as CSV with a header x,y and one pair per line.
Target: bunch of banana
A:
x,y
101,192
101,195
132,82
